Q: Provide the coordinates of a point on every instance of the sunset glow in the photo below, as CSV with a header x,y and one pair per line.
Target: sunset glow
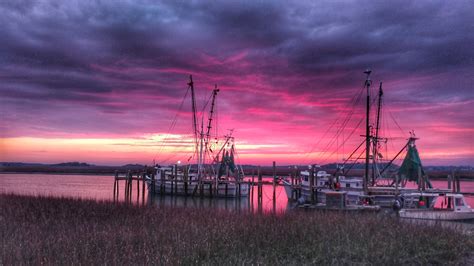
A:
x,y
102,82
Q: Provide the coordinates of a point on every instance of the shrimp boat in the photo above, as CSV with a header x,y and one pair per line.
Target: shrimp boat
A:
x,y
326,183
381,183
436,206
218,177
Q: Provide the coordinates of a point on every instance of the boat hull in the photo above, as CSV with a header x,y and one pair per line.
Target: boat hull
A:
x,y
224,190
437,215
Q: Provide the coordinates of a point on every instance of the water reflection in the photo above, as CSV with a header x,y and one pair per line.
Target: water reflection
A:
x,y
100,187
251,203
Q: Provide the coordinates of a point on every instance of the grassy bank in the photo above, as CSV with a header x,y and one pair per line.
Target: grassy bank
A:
x,y
49,230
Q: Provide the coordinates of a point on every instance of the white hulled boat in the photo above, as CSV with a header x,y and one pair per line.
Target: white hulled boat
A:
x,y
217,178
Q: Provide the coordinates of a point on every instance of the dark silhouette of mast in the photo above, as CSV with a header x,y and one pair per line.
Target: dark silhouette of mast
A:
x,y
367,131
193,99
209,124
376,139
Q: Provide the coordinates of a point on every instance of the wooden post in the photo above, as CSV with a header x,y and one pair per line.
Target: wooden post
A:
x,y
239,192
143,187
201,188
126,186
162,184
396,184
176,179
118,187
274,181
259,187
420,179
185,177
171,182
315,185
130,186
138,186
449,181
251,186
253,181
250,197
259,190
298,183
311,183
115,184
458,184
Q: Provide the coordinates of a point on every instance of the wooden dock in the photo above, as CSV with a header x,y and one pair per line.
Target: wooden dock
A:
x,y
172,186
128,178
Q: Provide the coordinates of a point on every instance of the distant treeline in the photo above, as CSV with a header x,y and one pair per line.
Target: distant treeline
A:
x,y
434,172
69,168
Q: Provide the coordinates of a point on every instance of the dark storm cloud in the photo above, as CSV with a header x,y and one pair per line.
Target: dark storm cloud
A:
x,y
115,55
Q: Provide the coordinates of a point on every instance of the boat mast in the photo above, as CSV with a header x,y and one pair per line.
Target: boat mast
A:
x,y
367,130
201,144
209,124
376,139
193,99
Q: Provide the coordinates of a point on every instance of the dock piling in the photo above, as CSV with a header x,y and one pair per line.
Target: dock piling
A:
x,y
311,183
259,185
274,181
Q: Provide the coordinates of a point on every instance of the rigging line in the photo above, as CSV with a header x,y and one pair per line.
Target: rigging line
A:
x,y
355,161
395,121
320,139
205,103
237,160
338,133
354,100
343,125
350,156
173,124
176,150
352,132
348,137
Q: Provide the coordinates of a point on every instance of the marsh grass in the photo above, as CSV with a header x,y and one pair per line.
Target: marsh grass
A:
x,y
45,230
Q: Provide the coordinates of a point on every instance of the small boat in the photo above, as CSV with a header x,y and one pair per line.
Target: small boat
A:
x,y
382,181
175,181
215,178
433,206
326,183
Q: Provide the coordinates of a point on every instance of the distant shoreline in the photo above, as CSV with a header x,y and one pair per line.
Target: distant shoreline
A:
x,y
437,176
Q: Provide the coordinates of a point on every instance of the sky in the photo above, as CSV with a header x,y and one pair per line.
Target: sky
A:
x,y
105,82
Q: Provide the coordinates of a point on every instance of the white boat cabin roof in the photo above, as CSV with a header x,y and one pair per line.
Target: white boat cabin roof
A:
x,y
421,194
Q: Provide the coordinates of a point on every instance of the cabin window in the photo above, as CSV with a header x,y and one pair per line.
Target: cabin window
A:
x,y
459,202
306,178
348,185
357,184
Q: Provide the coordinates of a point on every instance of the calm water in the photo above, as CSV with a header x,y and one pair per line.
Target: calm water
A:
x,y
100,187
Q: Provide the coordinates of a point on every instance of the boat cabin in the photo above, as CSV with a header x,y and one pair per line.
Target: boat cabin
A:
x,y
169,172
327,180
436,201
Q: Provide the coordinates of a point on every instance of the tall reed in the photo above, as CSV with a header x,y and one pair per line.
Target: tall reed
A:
x,y
46,230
